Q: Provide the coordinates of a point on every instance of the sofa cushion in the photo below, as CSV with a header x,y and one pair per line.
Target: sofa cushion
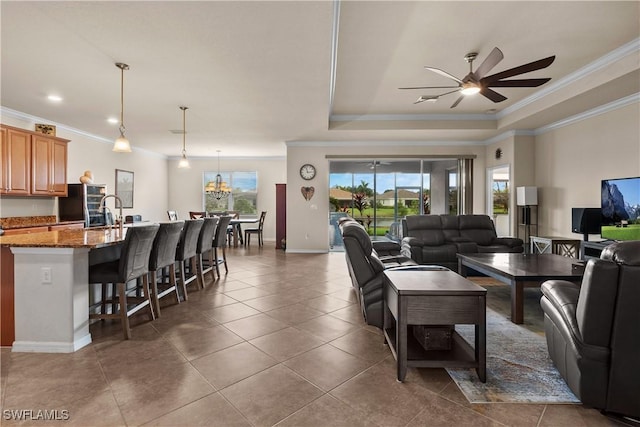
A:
x,y
450,227
478,228
426,228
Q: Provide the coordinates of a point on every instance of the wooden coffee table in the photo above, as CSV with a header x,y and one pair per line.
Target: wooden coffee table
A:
x,y
414,297
520,271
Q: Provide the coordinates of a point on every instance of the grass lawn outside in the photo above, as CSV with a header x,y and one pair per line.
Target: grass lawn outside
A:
x,y
630,232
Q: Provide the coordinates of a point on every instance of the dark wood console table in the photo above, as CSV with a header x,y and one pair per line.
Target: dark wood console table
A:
x,y
414,297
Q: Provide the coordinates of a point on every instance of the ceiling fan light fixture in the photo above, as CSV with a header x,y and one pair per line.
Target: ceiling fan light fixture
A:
x,y
470,89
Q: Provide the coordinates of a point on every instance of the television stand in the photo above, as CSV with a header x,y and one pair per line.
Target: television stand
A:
x,y
590,250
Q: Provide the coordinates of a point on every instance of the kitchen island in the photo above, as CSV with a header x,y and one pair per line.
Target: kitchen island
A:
x,y
51,287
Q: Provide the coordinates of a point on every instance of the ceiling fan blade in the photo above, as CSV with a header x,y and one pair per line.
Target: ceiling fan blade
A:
x,y
424,98
430,87
518,83
443,73
492,95
457,101
526,68
491,61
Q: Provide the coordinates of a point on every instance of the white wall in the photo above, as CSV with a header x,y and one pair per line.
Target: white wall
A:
x,y
571,161
87,153
308,221
186,185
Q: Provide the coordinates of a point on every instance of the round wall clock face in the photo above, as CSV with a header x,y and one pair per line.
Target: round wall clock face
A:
x,y
307,171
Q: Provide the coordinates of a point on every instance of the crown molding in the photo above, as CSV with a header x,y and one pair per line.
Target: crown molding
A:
x,y
409,117
615,55
4,111
381,143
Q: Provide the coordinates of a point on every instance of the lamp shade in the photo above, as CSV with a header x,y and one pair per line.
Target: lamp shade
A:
x,y
527,196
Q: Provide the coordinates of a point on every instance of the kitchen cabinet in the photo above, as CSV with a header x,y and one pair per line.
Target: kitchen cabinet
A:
x,y
15,175
49,166
33,164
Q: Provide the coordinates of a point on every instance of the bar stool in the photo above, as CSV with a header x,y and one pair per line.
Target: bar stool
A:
x,y
220,241
186,252
205,245
133,263
163,255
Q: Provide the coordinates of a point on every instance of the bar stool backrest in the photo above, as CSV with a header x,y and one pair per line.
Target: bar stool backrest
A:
x,y
134,258
205,240
163,252
189,239
220,239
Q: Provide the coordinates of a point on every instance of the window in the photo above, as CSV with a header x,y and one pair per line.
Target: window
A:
x,y
243,197
452,185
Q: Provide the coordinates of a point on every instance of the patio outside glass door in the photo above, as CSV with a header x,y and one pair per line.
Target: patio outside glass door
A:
x,y
499,192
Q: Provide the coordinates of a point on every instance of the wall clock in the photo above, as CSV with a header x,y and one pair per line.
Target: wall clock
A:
x,y
307,171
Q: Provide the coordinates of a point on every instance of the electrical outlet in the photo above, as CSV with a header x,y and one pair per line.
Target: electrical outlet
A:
x,y
45,272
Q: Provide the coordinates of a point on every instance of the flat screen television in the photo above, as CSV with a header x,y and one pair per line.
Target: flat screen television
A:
x,y
620,209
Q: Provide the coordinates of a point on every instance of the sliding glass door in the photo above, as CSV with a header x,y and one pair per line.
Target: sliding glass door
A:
x,y
378,193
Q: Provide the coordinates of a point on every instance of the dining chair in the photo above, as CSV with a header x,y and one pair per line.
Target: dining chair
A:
x,y
186,253
220,242
249,231
197,214
132,264
173,215
163,256
205,246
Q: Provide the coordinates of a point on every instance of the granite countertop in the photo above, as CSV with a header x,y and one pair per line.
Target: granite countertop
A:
x,y
75,238
32,221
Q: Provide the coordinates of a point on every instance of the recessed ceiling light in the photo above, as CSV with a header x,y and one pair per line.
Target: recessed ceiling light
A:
x,y
54,98
113,120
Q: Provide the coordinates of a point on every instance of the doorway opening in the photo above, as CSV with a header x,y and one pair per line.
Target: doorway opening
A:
x,y
499,198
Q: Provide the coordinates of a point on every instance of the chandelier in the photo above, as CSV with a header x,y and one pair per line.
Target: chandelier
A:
x,y
217,188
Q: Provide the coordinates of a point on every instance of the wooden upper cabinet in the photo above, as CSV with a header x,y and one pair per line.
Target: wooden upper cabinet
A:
x,y
16,162
49,166
33,163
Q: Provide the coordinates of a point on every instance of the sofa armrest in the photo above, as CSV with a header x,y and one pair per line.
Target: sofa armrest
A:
x,y
512,242
384,247
412,241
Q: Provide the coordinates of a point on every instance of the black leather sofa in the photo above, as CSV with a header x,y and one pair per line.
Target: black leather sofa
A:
x,y
436,239
593,333
366,261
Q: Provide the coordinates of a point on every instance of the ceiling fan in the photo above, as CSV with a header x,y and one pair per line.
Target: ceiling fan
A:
x,y
478,81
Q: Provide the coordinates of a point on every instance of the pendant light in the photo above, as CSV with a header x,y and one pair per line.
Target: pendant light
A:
x,y
217,188
121,144
184,162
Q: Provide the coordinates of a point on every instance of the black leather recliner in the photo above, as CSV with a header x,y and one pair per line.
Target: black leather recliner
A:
x,y
367,261
593,330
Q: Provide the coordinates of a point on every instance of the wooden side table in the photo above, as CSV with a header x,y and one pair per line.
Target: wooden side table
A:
x,y
555,245
414,297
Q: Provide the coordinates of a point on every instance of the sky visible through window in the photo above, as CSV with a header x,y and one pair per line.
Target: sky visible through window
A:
x,y
384,181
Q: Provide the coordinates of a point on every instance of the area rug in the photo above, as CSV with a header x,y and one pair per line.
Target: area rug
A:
x,y
518,367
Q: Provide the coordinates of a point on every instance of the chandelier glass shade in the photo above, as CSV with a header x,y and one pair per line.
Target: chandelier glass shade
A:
x,y
218,188
121,144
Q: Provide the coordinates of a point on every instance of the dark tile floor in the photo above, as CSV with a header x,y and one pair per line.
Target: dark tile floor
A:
x,y
278,341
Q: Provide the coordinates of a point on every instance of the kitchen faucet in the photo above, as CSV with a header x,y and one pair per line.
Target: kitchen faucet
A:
x,y
120,218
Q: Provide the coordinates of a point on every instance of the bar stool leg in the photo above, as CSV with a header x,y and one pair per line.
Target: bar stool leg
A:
x,y
182,280
172,281
146,294
123,310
